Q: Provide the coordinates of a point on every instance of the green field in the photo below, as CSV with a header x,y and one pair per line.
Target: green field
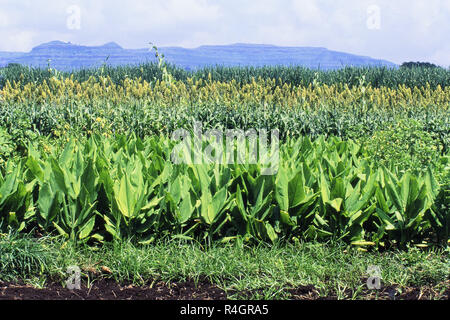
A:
x,y
362,175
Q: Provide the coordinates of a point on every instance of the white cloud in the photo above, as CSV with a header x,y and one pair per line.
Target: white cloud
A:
x,y
16,40
164,13
441,57
308,12
4,20
410,30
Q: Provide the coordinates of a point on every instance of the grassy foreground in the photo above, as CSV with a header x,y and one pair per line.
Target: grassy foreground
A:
x,y
257,272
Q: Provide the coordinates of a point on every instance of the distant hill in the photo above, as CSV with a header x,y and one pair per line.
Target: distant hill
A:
x,y
67,56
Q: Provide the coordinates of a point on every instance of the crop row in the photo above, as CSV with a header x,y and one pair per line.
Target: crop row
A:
x,y
122,187
377,77
66,106
229,94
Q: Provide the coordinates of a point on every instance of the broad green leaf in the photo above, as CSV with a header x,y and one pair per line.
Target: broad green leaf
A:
x,y
218,201
271,232
296,190
393,195
86,230
431,183
389,223
282,189
58,174
60,230
186,209
405,189
151,204
336,204
125,197
206,209
45,200
35,168
324,189
67,154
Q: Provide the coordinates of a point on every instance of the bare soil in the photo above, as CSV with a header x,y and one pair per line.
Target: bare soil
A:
x,y
106,289
111,290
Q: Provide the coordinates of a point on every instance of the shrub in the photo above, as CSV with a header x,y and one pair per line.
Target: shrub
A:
x,y
406,144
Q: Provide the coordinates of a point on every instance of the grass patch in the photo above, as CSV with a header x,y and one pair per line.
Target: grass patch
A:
x,y
257,272
24,257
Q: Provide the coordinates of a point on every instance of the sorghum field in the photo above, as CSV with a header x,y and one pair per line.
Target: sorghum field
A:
x,y
363,175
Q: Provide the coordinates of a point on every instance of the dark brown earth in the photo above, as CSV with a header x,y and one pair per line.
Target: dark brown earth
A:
x,y
385,293
111,290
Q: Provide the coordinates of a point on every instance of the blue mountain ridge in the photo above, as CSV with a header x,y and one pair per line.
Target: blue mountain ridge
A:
x,y
66,56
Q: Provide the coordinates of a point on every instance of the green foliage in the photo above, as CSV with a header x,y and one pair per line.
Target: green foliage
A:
x,y
418,65
22,257
162,65
26,123
244,272
404,144
117,181
377,77
125,188
6,146
16,201
68,191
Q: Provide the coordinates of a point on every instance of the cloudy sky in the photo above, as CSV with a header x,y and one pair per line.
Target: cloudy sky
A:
x,y
399,30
